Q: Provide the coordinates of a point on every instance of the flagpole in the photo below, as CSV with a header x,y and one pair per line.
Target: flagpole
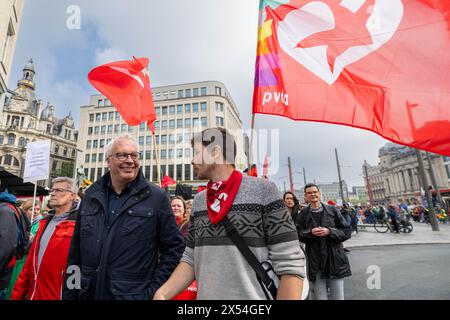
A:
x,y
158,169
249,158
143,154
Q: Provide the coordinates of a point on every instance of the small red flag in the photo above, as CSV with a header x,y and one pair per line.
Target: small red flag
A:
x,y
167,181
382,66
127,85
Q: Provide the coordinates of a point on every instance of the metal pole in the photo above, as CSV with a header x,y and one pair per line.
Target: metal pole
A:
x,y
339,175
34,201
369,186
304,175
432,215
290,174
434,182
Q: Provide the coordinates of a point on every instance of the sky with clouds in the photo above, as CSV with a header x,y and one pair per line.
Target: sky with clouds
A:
x,y
186,41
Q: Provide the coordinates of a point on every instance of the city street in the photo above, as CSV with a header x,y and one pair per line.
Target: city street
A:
x,y
407,272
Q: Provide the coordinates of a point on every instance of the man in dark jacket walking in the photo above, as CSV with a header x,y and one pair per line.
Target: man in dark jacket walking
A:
x,y
322,229
126,241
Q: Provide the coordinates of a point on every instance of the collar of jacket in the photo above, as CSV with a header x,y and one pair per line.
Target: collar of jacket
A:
x,y
72,216
98,189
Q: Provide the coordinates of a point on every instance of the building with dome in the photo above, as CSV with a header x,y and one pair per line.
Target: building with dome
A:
x,y
25,119
396,177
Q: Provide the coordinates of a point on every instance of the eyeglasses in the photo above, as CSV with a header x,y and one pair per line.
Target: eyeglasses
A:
x,y
59,190
122,156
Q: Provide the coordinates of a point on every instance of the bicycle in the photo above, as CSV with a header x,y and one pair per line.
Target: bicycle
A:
x,y
382,224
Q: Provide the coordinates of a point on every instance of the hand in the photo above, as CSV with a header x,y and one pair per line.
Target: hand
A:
x,y
321,232
159,296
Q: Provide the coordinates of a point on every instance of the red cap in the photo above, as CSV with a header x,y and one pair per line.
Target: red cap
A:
x,y
331,203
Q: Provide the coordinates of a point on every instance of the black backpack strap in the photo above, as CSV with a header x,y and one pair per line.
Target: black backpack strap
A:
x,y
250,257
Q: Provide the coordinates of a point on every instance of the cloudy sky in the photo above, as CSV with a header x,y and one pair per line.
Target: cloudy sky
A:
x,y
186,41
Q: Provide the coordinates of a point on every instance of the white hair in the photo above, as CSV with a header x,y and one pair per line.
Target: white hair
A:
x,y
126,136
71,182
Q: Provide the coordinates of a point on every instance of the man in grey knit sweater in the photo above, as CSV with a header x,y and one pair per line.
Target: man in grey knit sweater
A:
x,y
256,209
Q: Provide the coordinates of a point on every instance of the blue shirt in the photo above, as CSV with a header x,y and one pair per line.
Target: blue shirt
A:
x,y
116,201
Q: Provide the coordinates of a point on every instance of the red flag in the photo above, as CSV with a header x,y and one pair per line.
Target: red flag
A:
x,y
266,166
253,171
382,66
127,85
167,181
201,188
151,125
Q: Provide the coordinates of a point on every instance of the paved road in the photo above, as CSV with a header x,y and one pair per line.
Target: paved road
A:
x,y
407,272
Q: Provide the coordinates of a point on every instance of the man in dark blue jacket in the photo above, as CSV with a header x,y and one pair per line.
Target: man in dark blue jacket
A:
x,y
126,241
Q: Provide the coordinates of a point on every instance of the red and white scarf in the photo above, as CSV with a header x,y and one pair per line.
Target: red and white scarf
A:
x,y
220,196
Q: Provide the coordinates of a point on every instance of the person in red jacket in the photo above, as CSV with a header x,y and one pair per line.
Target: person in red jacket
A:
x,y
44,270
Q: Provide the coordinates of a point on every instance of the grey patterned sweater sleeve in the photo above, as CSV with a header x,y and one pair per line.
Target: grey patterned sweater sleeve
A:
x,y
281,234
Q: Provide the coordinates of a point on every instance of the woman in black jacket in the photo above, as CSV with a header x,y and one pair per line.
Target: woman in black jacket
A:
x,y
322,229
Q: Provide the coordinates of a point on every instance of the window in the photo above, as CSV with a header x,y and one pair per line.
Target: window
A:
x,y
157,139
179,153
219,121
187,172
142,126
111,115
107,103
148,155
89,131
164,124
203,91
141,140
104,116
130,129
100,157
218,91
163,154
180,109
96,130
102,143
11,139
1,139
172,110
187,108
219,106
6,45
195,122
110,128
86,158
94,158
195,107
116,128
180,94
123,128
149,142
204,122
187,137
195,92
156,125
98,116
108,141
91,117
88,144
171,124
179,171
171,156
163,139
56,149
188,93
203,106
117,115
54,165
171,138
74,153
187,152
158,110
179,138
22,142
95,145
179,123
103,129
164,111
65,152
100,103
187,123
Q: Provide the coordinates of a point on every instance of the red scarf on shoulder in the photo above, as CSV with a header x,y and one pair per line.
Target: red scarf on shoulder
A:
x,y
220,196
